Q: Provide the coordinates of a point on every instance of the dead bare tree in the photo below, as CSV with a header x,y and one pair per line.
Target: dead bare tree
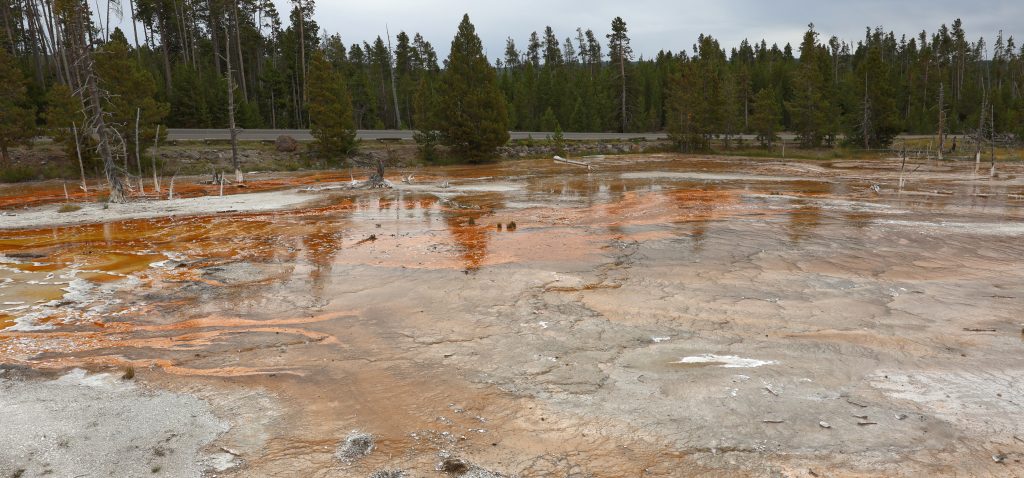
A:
x,y
992,148
302,48
138,153
942,118
170,189
394,88
78,151
903,167
156,151
231,110
979,138
93,99
238,45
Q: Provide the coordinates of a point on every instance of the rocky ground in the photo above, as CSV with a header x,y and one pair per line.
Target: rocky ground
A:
x,y
654,316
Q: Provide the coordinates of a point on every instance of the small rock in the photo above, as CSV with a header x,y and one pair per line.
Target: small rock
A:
x,y
453,466
286,144
824,425
999,458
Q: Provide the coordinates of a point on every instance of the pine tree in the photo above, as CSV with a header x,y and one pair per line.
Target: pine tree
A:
x,y
330,110
473,108
426,104
548,121
62,114
766,119
190,105
810,109
132,92
620,54
17,117
874,121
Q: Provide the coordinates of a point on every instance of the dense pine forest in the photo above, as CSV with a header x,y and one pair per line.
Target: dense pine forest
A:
x,y
181,63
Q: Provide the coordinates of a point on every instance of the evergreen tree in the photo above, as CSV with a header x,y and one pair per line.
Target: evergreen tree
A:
x,y
869,91
17,117
548,122
810,107
620,53
132,92
62,114
427,107
766,119
330,110
699,106
476,121
875,121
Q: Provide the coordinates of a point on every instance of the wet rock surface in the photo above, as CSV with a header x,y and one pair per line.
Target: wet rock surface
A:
x,y
655,316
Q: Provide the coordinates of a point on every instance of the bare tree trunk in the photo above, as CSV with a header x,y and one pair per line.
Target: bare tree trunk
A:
x,y
993,146
156,151
44,39
903,167
942,118
106,27
135,31
117,194
231,113
394,87
622,72
78,151
34,40
980,138
138,153
5,10
214,36
167,57
180,23
273,110
241,59
302,52
55,41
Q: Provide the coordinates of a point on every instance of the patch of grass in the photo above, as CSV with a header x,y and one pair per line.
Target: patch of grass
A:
x,y
155,470
69,208
19,173
129,373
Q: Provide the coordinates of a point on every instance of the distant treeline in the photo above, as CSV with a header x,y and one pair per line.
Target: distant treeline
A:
x,y
822,89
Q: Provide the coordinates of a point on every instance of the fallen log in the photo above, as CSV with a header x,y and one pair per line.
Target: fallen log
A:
x,y
559,159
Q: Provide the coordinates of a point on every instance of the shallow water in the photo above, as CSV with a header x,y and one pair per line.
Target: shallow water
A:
x,y
555,348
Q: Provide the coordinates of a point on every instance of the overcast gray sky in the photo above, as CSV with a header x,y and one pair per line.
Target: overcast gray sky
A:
x,y
662,24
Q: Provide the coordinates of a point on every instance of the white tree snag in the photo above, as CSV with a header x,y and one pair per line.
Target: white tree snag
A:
x,y
138,152
78,151
156,151
231,111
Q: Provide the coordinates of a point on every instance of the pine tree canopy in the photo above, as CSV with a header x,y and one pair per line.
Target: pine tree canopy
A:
x,y
474,120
